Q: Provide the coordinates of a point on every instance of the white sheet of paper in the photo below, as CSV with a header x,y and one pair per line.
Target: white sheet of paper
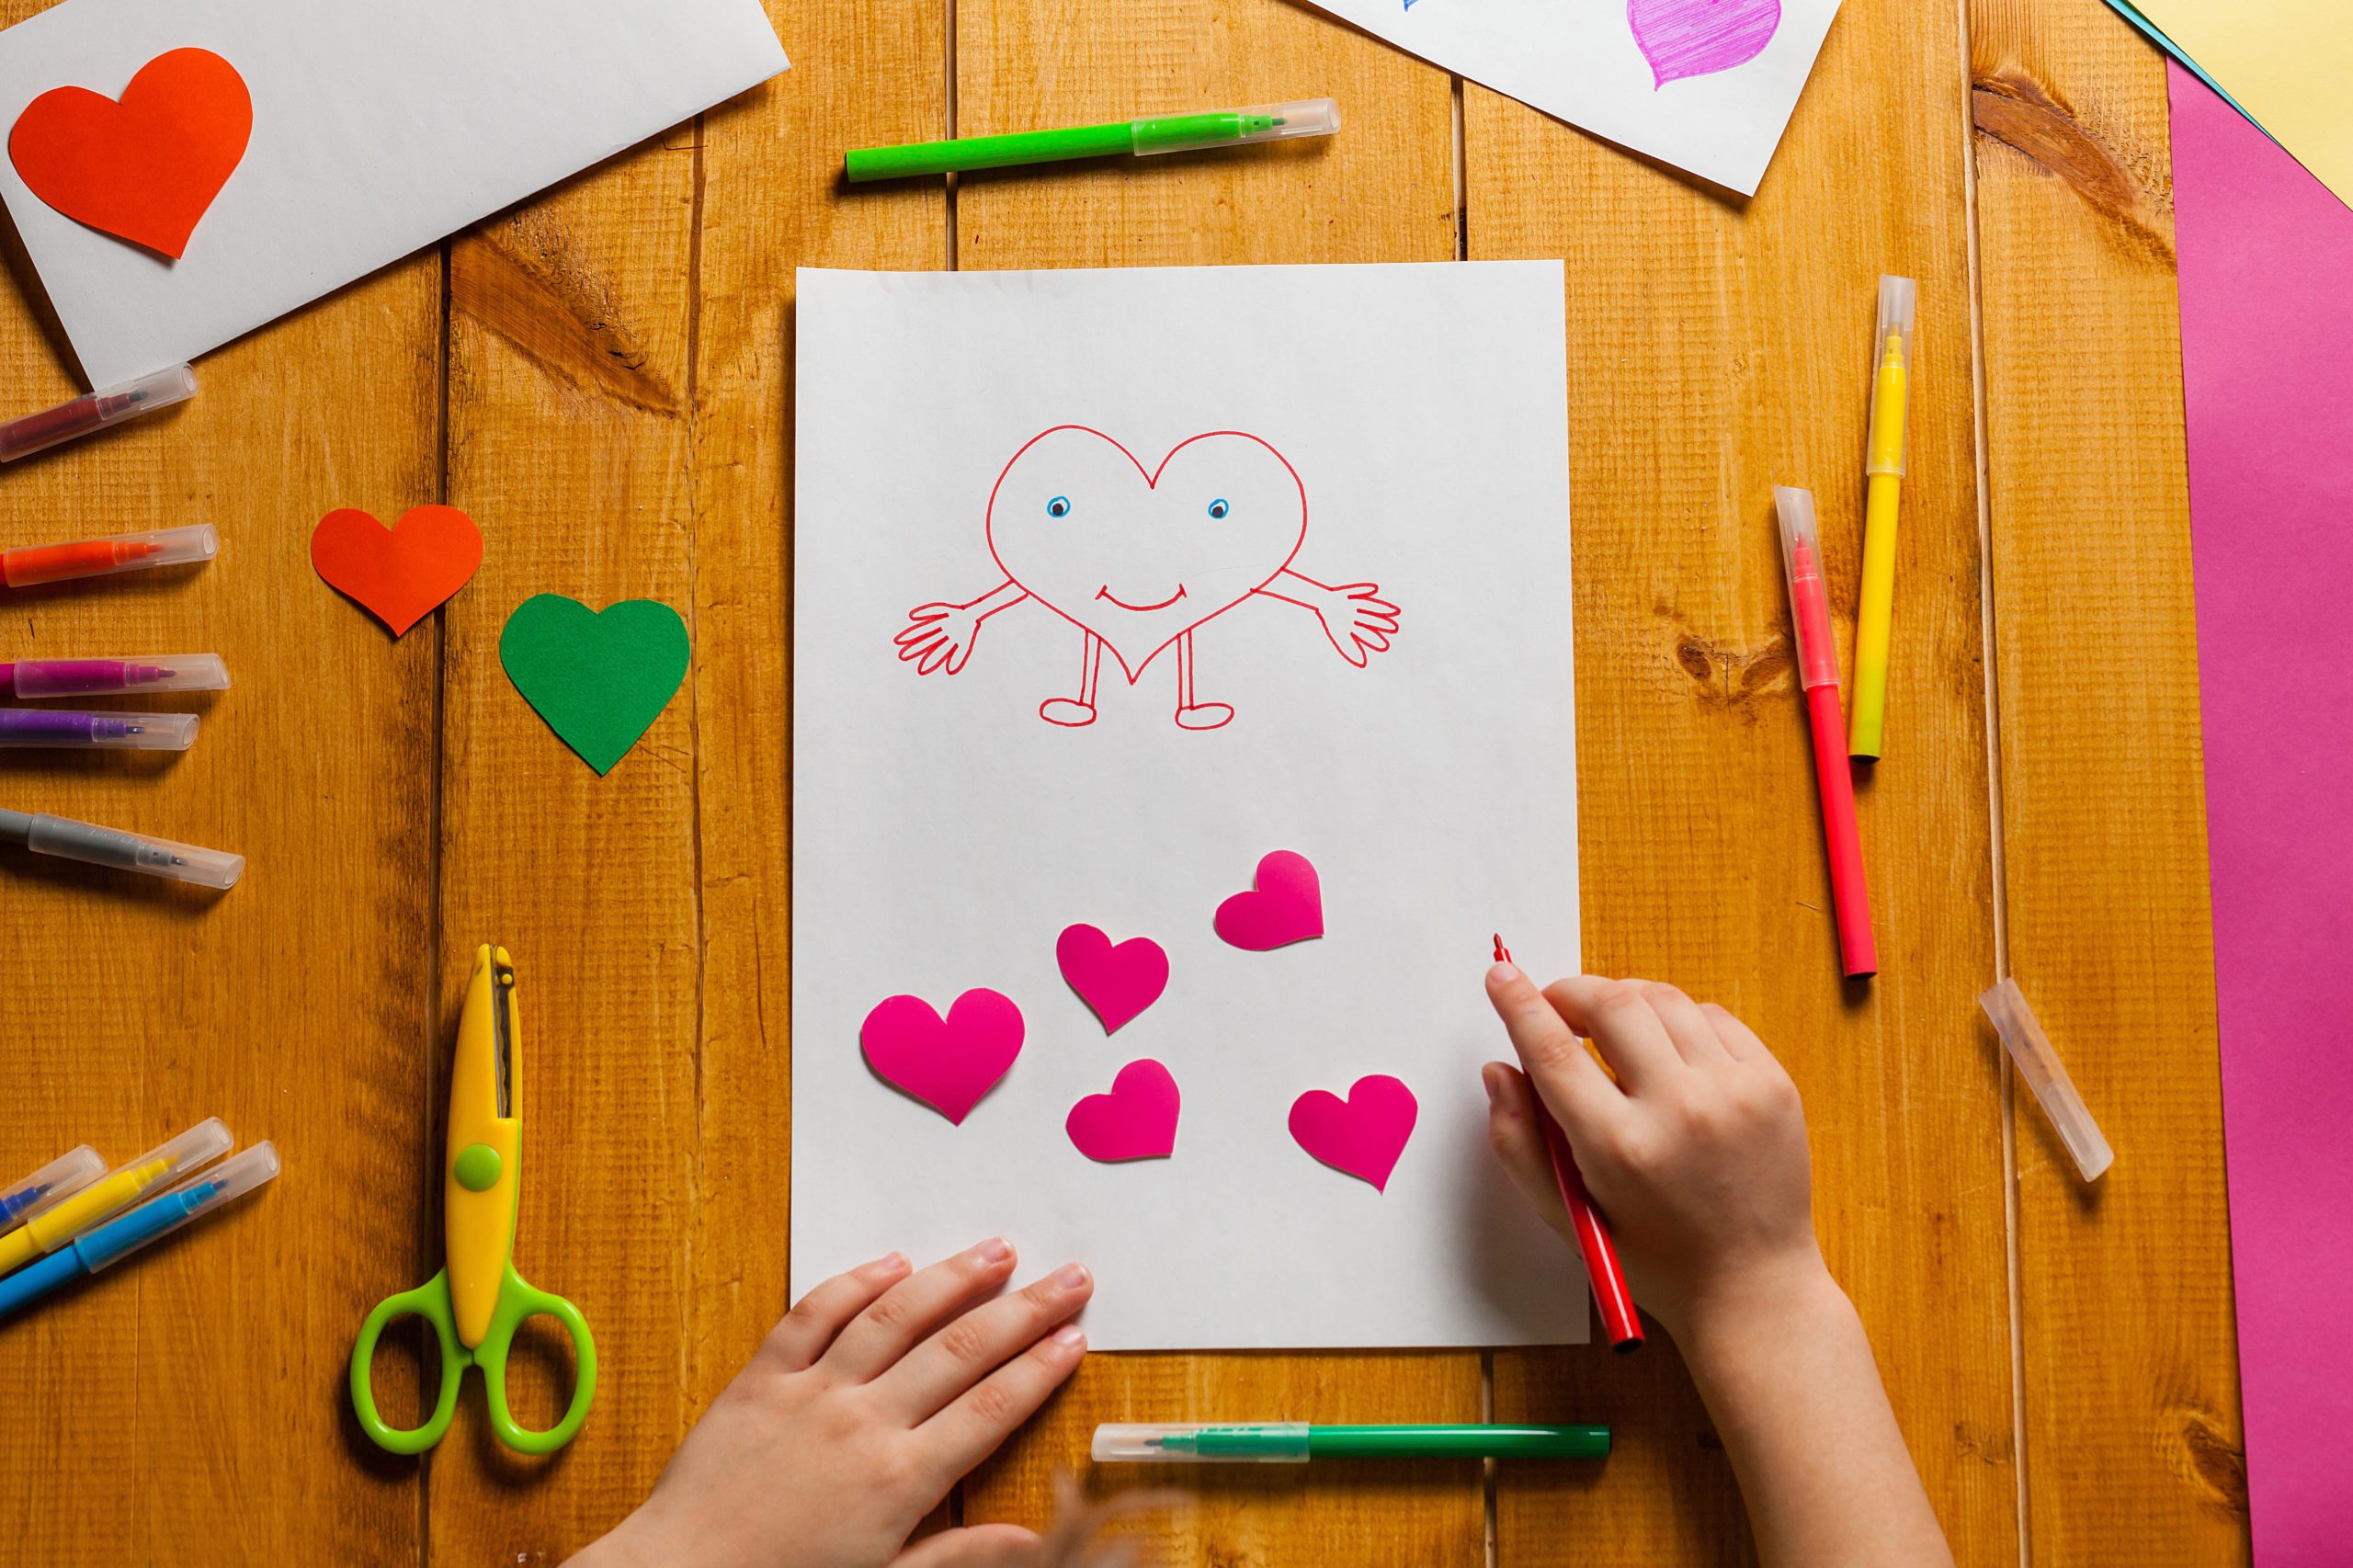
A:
x,y
1590,63
377,128
944,835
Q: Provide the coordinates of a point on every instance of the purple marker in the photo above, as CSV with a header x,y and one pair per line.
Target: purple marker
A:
x,y
83,677
112,732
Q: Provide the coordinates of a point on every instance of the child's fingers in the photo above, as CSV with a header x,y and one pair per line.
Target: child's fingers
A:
x,y
1517,1140
975,1546
1617,1016
1695,1038
876,1338
1740,1041
1566,1076
802,1334
975,1345
970,1429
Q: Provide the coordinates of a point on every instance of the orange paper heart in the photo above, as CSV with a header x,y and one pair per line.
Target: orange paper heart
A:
x,y
144,169
401,573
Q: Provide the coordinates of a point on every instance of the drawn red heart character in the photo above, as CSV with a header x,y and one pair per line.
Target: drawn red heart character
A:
x,y
1116,981
401,573
947,1064
1364,1134
1137,1120
1285,905
144,168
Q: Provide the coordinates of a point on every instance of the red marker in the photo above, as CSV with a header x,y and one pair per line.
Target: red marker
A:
x,y
1601,1265
1818,672
37,564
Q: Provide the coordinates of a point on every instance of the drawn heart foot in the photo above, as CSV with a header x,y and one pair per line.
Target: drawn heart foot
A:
x,y
1364,1134
1137,1120
144,169
399,575
1285,905
948,1063
1118,982
599,678
1699,37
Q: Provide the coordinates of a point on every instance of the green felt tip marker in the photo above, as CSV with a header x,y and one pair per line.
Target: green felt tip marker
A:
x,y
1296,1442
1162,133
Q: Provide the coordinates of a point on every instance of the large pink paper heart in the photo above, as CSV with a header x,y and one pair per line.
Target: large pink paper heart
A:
x,y
1285,905
1363,1134
1118,982
1699,37
947,1063
1140,557
1137,1120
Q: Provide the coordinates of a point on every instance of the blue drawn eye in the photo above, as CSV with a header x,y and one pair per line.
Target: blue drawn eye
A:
x,y
1059,506
1218,508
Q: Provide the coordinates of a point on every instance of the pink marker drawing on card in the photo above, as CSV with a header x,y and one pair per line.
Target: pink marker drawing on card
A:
x,y
1365,1134
1137,1120
947,1064
1119,981
1285,904
1699,37
1140,559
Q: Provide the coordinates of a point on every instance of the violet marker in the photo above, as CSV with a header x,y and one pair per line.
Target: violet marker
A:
x,y
94,845
104,732
87,678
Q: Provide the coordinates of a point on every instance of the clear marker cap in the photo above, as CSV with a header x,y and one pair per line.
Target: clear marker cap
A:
x,y
1802,562
1899,300
159,1217
2039,1065
116,552
1184,1442
96,411
97,731
96,846
51,1184
82,677
208,1140
1235,128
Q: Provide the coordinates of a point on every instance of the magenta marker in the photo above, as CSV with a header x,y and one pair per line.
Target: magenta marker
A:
x,y
85,678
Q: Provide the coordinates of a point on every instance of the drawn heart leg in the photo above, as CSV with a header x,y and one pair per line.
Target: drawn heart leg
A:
x,y
1285,905
1364,1134
1137,1120
947,1064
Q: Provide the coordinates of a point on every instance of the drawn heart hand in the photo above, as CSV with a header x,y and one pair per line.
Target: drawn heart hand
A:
x,y
947,1064
1137,1120
1140,558
1364,1134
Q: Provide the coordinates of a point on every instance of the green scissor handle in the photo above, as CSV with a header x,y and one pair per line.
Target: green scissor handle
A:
x,y
430,1300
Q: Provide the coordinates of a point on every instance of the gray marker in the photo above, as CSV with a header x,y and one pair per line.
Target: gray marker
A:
x,y
94,845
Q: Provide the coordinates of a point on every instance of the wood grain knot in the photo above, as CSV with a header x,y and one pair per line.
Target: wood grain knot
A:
x,y
2215,1462
558,315
2015,111
1728,676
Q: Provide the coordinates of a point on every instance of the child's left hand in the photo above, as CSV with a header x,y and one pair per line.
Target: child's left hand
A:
x,y
873,1397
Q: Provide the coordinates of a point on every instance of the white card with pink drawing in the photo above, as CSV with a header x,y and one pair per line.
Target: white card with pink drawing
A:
x,y
1182,697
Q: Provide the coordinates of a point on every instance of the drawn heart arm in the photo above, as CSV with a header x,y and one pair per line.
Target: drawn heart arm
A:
x,y
940,636
1357,620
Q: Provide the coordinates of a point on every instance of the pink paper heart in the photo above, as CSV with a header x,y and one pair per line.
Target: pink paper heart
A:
x,y
1118,982
947,1063
1137,1120
1140,557
1285,905
1363,1134
1699,37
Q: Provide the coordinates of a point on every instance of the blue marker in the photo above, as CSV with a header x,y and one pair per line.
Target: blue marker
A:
x,y
50,1185
118,1239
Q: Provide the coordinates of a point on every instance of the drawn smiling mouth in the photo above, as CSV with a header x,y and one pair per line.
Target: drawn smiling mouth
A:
x,y
1105,593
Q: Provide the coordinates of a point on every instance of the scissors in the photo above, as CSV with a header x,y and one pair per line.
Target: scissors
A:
x,y
477,1302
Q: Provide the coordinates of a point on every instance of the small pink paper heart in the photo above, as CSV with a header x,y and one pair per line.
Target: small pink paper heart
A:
x,y
1118,982
949,1064
1364,1134
1137,1120
1285,905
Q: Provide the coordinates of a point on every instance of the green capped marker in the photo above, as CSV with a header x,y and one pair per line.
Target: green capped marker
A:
x,y
1162,133
1296,1442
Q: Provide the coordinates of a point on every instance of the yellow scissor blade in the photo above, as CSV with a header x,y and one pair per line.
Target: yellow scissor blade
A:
x,y
485,1137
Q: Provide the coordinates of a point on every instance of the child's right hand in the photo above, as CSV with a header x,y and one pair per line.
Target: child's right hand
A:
x,y
1696,1154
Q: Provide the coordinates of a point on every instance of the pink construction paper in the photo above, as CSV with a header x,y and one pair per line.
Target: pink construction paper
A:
x,y
1364,1134
1137,1120
1116,981
2267,329
948,1063
1285,905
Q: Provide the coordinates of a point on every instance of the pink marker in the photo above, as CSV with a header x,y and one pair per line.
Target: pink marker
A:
x,y
83,677
1818,672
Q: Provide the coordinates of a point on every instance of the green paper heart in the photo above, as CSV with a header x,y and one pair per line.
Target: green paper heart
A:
x,y
599,678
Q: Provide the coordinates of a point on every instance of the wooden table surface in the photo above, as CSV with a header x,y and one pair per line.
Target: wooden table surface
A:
x,y
603,379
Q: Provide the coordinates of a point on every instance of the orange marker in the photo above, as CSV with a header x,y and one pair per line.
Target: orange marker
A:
x,y
100,557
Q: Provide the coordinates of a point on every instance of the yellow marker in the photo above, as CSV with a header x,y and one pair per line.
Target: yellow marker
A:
x,y
1891,394
52,1227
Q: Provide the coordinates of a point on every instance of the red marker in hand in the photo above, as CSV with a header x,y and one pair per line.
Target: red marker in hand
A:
x,y
1601,1265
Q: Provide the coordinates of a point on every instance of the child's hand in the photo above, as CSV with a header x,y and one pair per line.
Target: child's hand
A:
x,y
1696,1154
855,1416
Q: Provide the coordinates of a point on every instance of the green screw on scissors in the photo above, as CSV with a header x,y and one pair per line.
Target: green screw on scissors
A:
x,y
477,1302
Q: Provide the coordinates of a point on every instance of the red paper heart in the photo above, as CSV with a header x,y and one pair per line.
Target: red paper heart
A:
x,y
398,575
144,169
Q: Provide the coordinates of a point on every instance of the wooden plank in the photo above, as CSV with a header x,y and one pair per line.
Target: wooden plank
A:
x,y
2132,1412
1383,190
1717,348
189,1404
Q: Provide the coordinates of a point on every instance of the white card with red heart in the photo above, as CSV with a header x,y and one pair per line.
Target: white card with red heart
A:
x,y
1182,696
375,129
